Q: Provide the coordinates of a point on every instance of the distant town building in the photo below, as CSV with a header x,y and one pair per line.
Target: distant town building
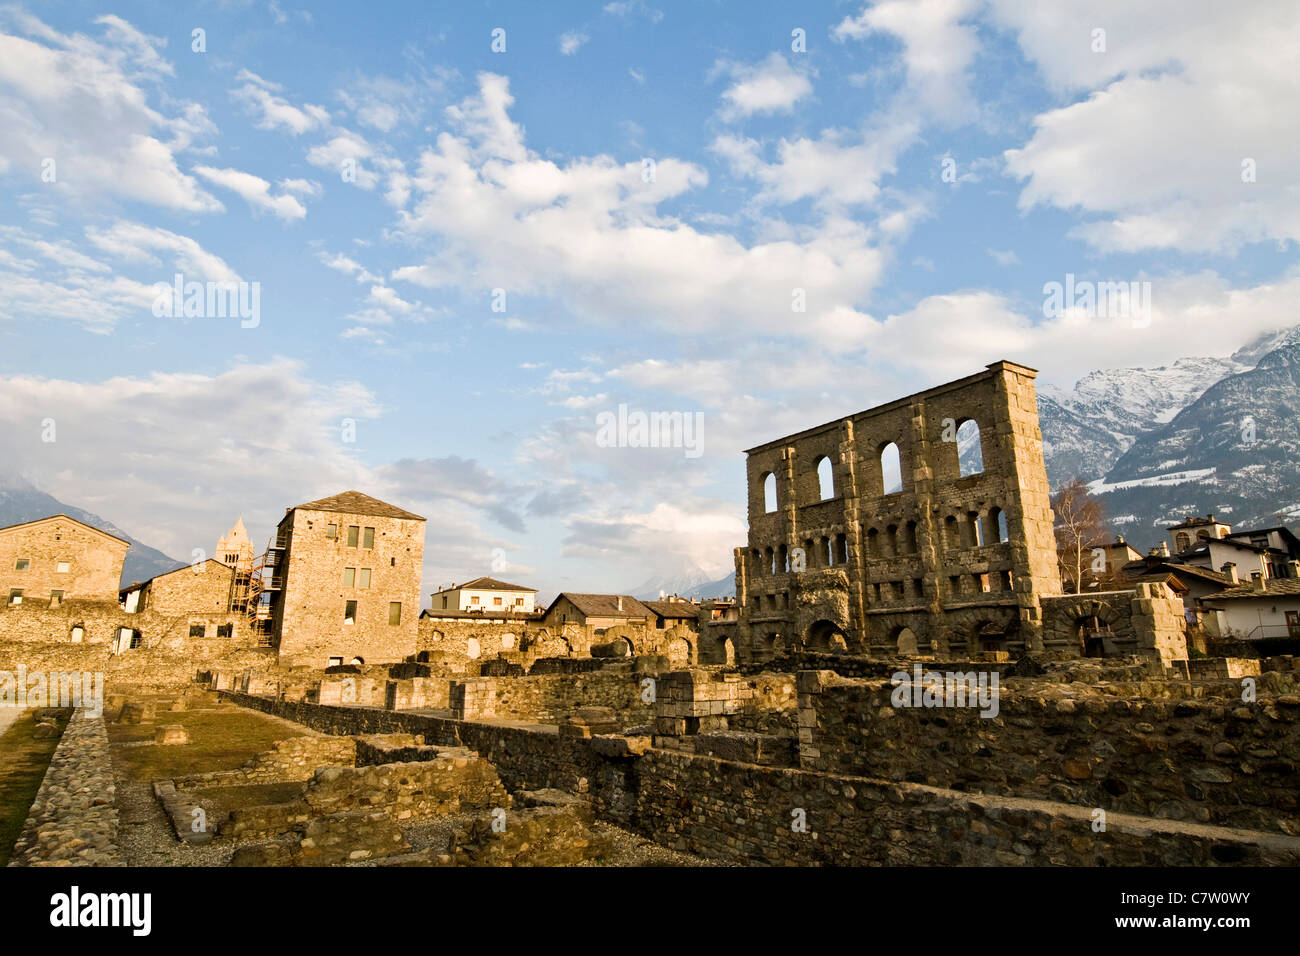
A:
x,y
674,612
59,558
235,550
485,595
596,611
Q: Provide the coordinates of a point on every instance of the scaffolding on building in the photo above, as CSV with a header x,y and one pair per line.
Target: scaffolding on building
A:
x,y
253,590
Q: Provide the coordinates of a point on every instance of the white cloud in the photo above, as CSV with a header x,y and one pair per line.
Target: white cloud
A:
x,y
255,191
571,42
83,104
137,243
773,86
272,111
628,9
1204,87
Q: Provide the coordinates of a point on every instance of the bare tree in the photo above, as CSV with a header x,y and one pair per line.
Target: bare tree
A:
x,y
1080,527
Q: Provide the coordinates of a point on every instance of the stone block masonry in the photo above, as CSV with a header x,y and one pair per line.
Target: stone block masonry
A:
x,y
73,821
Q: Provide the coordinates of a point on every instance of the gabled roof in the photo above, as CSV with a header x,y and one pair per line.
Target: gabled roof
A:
x,y
1142,569
673,608
488,584
605,605
1277,587
88,527
356,503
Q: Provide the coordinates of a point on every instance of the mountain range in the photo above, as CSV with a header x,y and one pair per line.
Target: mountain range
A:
x,y
20,502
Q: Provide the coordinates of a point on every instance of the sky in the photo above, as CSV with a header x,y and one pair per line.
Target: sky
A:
x,y
466,234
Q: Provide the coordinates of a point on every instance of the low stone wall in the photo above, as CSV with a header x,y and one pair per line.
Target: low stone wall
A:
x,y
287,761
73,821
1212,761
752,814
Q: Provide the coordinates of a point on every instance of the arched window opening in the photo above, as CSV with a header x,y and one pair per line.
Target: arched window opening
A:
x,y
909,538
770,562
825,480
891,470
970,454
842,548
825,553
976,530
951,535
891,541
1004,535
769,493
783,559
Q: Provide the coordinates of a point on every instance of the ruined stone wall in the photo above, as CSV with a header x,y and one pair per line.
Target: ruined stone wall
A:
x,y
309,615
200,589
94,561
73,820
100,622
1147,621
740,812
1212,760
930,558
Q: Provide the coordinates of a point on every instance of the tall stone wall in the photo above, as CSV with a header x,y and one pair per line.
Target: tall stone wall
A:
x,y
928,566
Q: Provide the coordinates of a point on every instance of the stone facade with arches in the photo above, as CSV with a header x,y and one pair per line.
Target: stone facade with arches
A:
x,y
934,519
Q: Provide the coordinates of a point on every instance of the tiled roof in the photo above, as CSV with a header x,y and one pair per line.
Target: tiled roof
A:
x,y
355,503
673,608
1276,587
491,584
606,605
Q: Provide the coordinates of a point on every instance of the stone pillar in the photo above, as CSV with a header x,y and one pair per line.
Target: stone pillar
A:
x,y
1159,624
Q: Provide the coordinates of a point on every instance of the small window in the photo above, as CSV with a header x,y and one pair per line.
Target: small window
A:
x,y
395,612
56,598
21,564
78,634
496,602
225,630
354,531
350,612
473,600
349,577
891,470
364,580
368,539
970,454
335,662
136,640
444,603
769,493
15,595
198,630
331,531
519,601
825,480
64,567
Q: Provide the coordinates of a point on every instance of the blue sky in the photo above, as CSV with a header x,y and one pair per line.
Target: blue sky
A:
x,y
777,166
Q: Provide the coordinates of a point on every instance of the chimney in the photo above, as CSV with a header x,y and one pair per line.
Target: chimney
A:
x,y
1119,539
1257,582
1163,550
1230,570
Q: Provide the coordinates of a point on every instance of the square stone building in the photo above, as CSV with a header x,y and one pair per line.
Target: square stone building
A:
x,y
54,559
345,581
920,526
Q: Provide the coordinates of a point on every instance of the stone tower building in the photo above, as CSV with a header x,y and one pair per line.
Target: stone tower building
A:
x,y
344,581
920,526
235,550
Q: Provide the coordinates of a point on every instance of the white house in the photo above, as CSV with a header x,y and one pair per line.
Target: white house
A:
x,y
485,595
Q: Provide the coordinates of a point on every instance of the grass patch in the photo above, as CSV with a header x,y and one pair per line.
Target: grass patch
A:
x,y
219,740
23,762
219,801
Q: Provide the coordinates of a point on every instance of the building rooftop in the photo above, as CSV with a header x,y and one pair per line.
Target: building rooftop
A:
x,y
1276,587
673,608
65,517
356,503
605,605
486,584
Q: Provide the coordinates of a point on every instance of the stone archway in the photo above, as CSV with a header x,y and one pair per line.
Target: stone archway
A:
x,y
826,637
904,640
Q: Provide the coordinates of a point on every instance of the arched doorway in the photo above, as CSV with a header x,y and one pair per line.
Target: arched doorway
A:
x,y
826,637
1092,633
905,641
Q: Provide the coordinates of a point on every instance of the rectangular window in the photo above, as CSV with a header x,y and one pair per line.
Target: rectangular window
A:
x,y
56,598
496,602
473,600
15,595
349,577
395,612
350,612
198,630
225,630
64,567
336,662
365,578
331,531
21,564
353,532
368,539
444,604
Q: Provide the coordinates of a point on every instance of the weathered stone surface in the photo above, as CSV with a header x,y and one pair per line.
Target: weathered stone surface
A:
x,y
170,735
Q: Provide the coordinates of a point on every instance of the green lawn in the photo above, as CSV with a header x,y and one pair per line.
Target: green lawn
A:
x,y
219,740
23,762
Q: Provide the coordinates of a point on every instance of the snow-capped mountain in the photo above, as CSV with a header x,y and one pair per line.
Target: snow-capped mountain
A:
x,y
1202,435
20,502
695,582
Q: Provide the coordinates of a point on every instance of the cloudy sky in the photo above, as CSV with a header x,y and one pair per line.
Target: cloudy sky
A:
x,y
475,228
